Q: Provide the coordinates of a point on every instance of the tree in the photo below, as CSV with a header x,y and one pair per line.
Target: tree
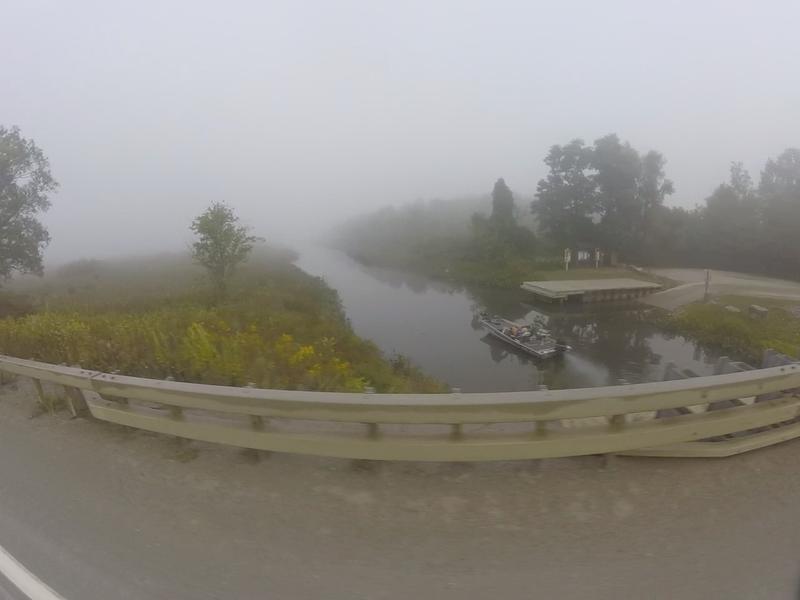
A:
x,y
222,244
618,167
779,189
731,223
502,205
675,238
652,188
499,236
25,183
602,195
566,198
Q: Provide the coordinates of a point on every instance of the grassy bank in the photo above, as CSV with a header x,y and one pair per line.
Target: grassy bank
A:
x,y
739,333
279,327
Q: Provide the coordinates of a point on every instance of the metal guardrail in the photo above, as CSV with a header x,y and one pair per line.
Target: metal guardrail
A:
x,y
712,416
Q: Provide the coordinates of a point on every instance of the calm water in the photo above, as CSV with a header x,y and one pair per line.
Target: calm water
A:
x,y
432,323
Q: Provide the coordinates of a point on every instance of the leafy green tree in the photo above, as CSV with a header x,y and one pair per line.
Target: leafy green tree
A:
x,y
25,183
222,244
502,205
566,199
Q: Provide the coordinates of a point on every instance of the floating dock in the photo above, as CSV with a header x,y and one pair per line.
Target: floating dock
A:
x,y
590,290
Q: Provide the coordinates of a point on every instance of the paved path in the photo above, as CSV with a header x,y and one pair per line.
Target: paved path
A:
x,y
100,512
691,287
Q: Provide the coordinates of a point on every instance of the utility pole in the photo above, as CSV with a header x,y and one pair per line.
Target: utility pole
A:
x,y
708,279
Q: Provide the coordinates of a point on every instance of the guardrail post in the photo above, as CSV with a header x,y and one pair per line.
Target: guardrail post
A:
x,y
75,400
39,391
372,428
256,421
456,431
617,421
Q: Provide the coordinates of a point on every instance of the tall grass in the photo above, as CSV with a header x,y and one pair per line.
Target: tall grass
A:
x,y
279,328
738,332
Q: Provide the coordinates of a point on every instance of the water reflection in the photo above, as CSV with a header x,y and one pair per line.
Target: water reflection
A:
x,y
434,324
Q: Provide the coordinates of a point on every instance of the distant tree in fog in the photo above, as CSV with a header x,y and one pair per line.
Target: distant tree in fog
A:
x,y
500,236
731,223
502,205
25,183
222,244
779,189
566,199
606,195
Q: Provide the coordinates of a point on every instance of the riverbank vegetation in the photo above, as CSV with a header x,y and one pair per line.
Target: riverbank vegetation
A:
x,y
605,195
491,246
276,327
726,324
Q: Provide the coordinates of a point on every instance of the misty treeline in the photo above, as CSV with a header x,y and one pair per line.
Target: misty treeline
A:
x,y
485,240
605,195
608,195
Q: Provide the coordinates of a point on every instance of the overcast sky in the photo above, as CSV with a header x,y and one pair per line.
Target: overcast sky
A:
x,y
298,113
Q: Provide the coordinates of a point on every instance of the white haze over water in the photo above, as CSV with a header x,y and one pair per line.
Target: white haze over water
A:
x,y
299,114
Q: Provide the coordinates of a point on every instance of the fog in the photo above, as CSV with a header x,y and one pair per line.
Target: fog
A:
x,y
301,114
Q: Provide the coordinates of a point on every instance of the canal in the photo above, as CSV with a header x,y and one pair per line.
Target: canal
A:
x,y
432,323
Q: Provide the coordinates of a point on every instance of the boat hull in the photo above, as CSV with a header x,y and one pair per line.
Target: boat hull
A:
x,y
539,349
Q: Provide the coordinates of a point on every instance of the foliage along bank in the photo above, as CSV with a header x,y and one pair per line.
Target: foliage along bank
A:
x,y
476,241
278,327
739,333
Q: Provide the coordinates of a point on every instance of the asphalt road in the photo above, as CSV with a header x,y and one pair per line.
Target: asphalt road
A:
x,y
8,591
102,512
691,287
